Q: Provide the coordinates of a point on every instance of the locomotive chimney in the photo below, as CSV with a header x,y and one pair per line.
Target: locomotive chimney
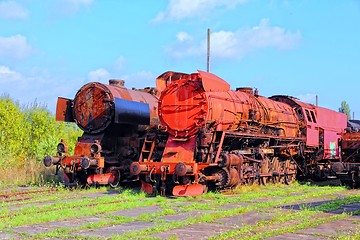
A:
x,y
117,82
208,51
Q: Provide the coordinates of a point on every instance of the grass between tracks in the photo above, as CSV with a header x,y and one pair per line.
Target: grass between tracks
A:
x,y
257,199
211,217
75,208
248,199
307,217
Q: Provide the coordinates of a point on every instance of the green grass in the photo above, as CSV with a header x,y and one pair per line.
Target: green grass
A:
x,y
349,236
211,217
73,209
305,218
253,198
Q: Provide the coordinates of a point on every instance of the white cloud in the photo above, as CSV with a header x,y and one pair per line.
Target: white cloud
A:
x,y
235,45
14,47
7,75
224,44
99,75
36,84
183,37
184,46
182,9
307,98
12,10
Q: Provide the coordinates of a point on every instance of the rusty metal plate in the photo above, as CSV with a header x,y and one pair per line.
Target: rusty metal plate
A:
x,y
92,107
63,110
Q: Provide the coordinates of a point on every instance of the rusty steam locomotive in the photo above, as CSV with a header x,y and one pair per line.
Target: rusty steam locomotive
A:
x,y
192,133
219,138
114,119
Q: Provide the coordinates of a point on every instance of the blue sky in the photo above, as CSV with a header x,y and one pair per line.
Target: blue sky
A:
x,y
300,48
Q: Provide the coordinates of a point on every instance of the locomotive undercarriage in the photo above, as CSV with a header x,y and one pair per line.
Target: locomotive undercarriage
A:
x,y
245,159
312,165
76,174
98,161
222,161
348,170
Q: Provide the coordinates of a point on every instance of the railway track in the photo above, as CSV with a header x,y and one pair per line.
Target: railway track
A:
x,y
23,195
75,203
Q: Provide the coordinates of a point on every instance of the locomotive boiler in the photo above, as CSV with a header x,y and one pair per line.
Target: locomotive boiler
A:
x,y
219,138
114,120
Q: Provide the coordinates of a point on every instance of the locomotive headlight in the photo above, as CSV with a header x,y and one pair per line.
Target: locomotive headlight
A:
x,y
62,147
95,148
48,161
85,163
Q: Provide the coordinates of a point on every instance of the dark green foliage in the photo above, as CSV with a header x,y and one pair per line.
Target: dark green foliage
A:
x,y
27,134
45,133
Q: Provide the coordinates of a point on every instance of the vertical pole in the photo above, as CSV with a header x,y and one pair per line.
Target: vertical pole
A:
x,y
208,51
317,100
353,116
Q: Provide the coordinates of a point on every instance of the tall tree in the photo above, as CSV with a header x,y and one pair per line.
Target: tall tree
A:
x,y
345,109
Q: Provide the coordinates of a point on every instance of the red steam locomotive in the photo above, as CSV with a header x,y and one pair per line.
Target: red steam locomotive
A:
x,y
114,120
219,138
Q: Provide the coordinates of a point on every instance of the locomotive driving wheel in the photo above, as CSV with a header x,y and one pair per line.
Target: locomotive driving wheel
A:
x,y
204,183
264,170
116,174
250,177
289,177
276,171
223,178
250,180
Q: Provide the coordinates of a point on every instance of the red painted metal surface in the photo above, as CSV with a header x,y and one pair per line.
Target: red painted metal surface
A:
x,y
212,83
331,124
146,187
331,120
185,106
101,179
190,190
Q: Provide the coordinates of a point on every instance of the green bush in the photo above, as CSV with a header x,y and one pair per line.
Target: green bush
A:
x,y
13,131
27,134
